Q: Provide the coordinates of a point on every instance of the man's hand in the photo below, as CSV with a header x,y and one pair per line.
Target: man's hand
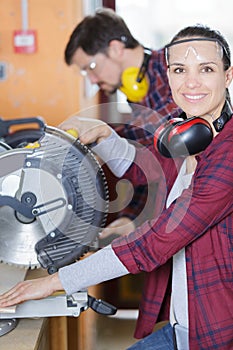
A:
x,y
88,130
30,290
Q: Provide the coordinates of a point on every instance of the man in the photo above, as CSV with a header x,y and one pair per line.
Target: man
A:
x,y
104,49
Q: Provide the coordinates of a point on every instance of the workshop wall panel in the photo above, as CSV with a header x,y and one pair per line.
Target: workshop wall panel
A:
x,y
39,83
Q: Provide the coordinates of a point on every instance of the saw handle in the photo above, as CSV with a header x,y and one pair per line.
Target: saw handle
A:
x,y
6,124
101,306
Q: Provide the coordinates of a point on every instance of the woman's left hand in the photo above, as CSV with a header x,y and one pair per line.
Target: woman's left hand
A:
x,y
32,289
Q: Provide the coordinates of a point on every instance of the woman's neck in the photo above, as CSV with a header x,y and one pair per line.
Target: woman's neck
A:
x,y
191,164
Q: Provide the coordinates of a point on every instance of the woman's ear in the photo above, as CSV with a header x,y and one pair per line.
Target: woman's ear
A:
x,y
168,75
229,76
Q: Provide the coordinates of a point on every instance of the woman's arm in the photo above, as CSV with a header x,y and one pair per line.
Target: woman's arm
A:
x,y
98,267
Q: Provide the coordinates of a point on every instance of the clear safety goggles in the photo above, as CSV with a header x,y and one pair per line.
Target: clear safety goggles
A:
x,y
202,49
88,69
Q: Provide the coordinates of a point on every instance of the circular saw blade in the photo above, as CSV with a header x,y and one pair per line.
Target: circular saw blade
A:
x,y
70,197
18,234
17,240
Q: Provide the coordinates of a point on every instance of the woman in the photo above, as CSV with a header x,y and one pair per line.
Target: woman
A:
x,y
188,247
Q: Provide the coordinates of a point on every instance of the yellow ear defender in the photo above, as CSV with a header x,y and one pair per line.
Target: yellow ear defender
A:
x,y
135,91
135,84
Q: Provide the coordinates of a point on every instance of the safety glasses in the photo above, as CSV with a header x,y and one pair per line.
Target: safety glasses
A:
x,y
201,49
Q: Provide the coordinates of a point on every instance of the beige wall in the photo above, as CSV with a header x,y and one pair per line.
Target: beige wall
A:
x,y
40,83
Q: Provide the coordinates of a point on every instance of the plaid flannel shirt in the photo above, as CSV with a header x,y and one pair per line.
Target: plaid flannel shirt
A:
x,y
201,220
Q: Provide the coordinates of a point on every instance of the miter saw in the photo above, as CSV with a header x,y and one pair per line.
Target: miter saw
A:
x,y
53,205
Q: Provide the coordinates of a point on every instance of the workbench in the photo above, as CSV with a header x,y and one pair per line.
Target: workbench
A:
x,y
29,334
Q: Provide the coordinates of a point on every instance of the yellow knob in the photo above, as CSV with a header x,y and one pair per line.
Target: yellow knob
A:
x,y
33,145
73,132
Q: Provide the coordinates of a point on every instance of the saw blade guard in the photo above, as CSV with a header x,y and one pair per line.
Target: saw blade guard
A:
x,y
53,202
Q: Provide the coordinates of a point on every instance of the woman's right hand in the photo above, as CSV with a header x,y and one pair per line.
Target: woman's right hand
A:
x,y
88,130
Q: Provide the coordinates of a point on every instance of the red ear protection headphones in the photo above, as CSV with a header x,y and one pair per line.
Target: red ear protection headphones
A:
x,y
135,84
180,138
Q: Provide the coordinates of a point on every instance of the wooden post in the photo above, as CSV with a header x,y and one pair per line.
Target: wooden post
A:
x,y
58,333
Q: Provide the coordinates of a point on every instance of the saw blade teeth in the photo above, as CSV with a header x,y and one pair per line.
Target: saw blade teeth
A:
x,y
20,266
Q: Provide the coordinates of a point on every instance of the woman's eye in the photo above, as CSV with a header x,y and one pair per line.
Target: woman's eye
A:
x,y
207,69
179,70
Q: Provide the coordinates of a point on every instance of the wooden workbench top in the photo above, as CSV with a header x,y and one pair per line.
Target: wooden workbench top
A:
x,y
29,334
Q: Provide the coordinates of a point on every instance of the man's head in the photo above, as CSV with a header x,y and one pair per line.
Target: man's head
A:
x,y
94,34
97,47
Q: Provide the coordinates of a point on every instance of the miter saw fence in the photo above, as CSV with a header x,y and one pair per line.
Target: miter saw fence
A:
x,y
53,201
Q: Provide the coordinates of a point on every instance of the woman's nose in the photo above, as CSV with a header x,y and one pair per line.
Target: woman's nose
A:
x,y
192,80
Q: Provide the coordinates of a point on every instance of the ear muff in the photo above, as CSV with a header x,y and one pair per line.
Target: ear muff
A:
x,y
135,84
135,91
181,138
